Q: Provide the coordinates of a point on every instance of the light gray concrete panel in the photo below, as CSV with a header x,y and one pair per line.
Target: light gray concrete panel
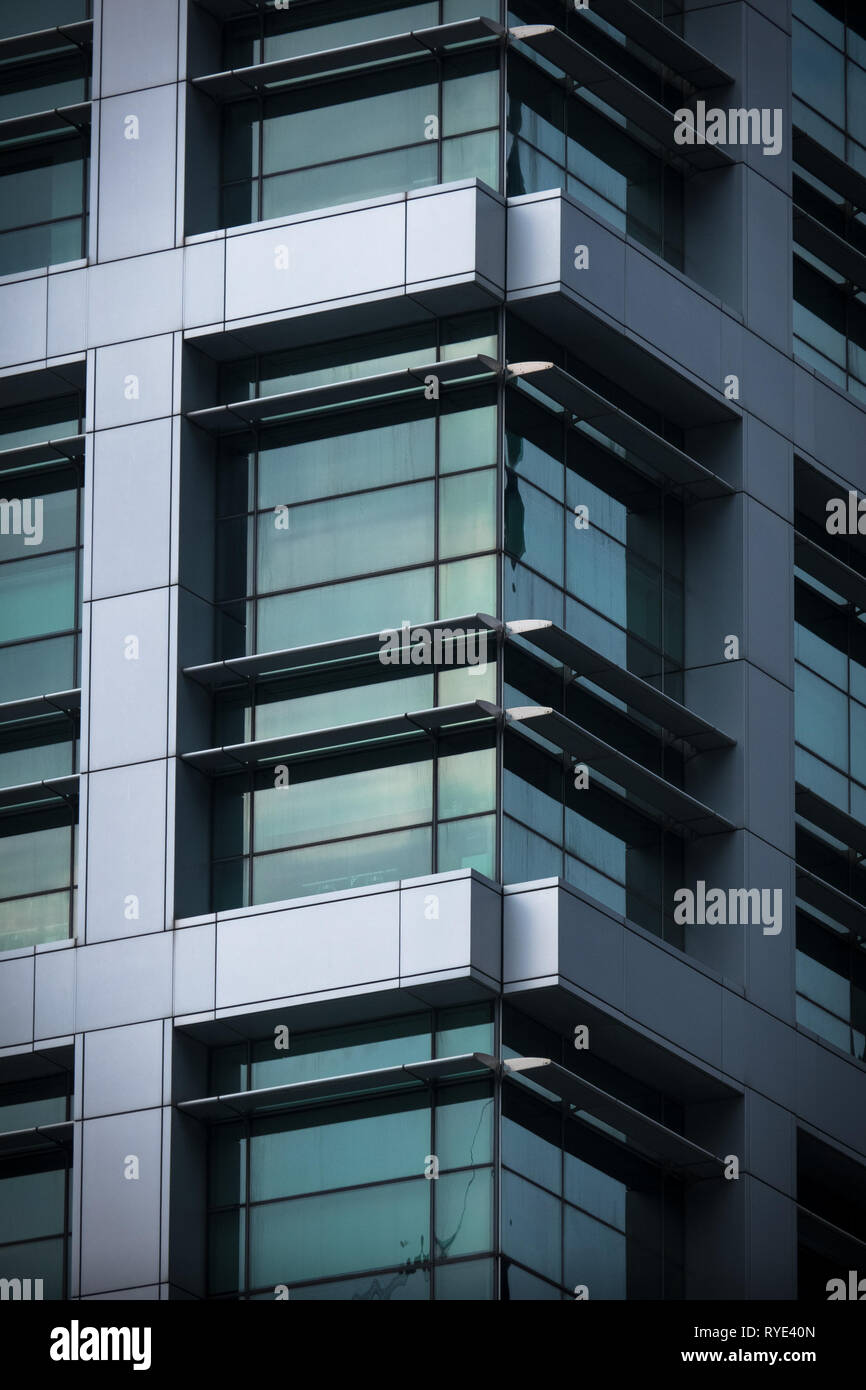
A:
x,y
839,1108
771,1135
133,382
768,273
55,993
122,1069
16,999
139,297
839,433
673,317
129,650
534,241
67,312
530,934
602,281
713,609
126,888
119,1215
342,943
137,173
131,508
24,321
769,1056
768,474
123,982
444,236
314,261
771,1256
770,956
766,386
768,86
139,44
673,999
447,926
769,758
204,290
195,969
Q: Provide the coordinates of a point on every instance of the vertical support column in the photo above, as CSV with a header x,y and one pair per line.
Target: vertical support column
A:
x,y
753,1226
120,1225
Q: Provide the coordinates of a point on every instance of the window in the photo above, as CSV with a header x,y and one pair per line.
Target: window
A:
x,y
40,560
332,1200
35,1187
360,137
579,1208
367,817
831,981
356,520
829,80
560,141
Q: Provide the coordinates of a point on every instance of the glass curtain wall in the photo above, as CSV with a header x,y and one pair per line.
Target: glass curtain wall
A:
x,y
331,1201
43,179
829,77
35,1189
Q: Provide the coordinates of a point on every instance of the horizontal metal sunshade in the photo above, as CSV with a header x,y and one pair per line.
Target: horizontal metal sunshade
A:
x,y
621,683
829,168
660,41
609,86
50,791
586,404
235,671
816,892
411,1074
659,1143
49,451
63,703
817,561
834,250
241,415
680,808
47,41
58,121
239,82
37,1139
826,816
248,756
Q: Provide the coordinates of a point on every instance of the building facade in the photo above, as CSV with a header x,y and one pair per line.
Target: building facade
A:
x,y
432,649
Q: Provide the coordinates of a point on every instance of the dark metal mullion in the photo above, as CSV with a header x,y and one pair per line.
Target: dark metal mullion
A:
x,y
497,1150
343,839
431,1182
499,647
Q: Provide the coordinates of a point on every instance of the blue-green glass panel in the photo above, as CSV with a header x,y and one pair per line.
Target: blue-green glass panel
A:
x,y
37,596
346,462
350,181
468,844
464,1213
346,864
465,1281
340,1233
464,1126
352,803
33,1204
344,610
341,1146
531,1225
341,1051
594,1255
467,1029
40,1259
346,535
